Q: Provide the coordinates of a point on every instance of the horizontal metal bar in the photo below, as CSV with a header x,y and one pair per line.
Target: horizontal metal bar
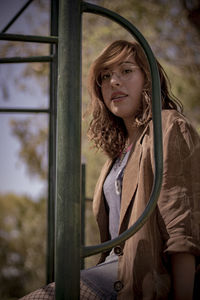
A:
x,y
24,110
17,16
31,59
157,130
28,38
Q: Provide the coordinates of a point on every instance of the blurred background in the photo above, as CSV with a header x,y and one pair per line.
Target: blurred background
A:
x,y
172,29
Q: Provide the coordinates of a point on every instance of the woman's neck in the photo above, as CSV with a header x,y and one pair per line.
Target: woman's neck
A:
x,y
131,131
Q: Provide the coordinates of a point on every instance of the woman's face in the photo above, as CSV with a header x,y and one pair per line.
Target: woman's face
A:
x,y
122,88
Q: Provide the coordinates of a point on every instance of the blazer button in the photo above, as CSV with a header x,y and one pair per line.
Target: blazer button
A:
x,y
118,250
118,286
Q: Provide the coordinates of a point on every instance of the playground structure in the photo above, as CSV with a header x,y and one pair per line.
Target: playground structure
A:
x,y
64,248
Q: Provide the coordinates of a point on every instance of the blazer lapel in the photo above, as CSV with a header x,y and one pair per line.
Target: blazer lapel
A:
x,y
131,173
130,179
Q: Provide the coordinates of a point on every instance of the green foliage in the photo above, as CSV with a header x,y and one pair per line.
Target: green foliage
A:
x,y
22,252
32,135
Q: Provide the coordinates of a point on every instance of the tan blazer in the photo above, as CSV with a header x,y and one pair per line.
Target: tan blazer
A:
x,y
174,226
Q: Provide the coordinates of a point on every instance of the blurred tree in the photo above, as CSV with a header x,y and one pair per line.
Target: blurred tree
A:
x,y
32,136
193,12
22,245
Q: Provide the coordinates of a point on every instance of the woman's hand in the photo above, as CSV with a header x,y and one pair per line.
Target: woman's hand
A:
x,y
183,273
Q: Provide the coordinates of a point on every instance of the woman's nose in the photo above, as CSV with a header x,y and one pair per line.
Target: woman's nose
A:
x,y
115,79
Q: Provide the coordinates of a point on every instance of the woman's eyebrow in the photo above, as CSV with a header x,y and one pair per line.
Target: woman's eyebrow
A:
x,y
121,63
127,62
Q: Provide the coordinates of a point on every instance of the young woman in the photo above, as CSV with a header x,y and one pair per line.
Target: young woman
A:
x,y
160,260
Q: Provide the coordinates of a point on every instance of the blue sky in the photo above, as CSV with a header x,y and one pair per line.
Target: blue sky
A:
x,y
13,174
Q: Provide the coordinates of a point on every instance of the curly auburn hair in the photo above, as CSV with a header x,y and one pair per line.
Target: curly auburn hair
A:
x,y
106,130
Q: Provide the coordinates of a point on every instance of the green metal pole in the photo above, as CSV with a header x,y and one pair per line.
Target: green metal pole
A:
x,y
68,152
50,260
83,198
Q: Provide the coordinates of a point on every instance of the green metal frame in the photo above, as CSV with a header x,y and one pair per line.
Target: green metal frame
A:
x,y
51,111
65,241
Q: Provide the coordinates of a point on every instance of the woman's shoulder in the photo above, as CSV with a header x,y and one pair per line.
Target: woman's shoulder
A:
x,y
175,124
178,130
169,116
172,119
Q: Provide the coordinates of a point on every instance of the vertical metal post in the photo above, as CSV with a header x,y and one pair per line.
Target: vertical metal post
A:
x,y
52,147
83,183
68,152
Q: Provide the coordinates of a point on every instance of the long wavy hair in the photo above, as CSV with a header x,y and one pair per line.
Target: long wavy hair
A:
x,y
106,130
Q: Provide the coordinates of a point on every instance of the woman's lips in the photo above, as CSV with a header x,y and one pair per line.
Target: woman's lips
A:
x,y
119,99
117,96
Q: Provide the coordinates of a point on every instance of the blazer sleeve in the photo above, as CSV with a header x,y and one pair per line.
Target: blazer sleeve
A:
x,y
179,200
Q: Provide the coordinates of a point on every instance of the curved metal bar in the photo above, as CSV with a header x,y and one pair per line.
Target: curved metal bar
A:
x,y
157,130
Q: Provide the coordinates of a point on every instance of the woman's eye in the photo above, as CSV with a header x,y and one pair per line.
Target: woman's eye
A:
x,y
126,71
105,76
